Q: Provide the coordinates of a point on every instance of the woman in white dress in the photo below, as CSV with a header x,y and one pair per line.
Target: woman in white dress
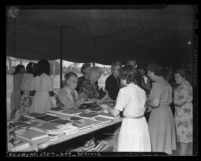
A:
x,y
131,99
42,89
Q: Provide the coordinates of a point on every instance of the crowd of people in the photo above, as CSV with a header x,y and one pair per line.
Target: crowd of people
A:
x,y
136,93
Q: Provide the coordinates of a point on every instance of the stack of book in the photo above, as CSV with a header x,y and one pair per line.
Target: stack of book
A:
x,y
102,119
55,137
19,124
89,146
102,145
32,136
70,129
47,127
46,118
74,118
82,125
91,106
53,128
88,114
25,119
90,121
34,115
62,122
55,110
18,145
71,111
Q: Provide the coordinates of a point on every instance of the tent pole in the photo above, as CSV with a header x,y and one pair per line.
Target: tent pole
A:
x,y
61,55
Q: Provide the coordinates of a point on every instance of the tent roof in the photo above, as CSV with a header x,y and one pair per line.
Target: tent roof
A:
x,y
101,35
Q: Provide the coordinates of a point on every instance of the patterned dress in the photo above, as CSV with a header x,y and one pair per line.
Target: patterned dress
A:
x,y
183,96
26,100
89,90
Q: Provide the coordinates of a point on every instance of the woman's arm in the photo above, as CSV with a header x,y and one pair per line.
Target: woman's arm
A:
x,y
113,111
153,103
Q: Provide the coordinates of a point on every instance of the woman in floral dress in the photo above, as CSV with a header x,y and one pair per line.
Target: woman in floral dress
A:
x,y
26,88
89,89
183,96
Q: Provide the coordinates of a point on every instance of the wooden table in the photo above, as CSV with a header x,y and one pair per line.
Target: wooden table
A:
x,y
71,136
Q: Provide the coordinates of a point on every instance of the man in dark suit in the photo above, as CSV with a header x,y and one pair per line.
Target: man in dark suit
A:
x,y
112,83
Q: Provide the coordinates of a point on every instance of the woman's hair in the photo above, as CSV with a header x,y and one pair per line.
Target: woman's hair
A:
x,y
156,69
69,74
118,63
126,73
114,65
85,66
182,73
95,69
35,72
30,68
43,66
18,67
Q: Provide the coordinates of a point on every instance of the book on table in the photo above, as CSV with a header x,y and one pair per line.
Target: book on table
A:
x,y
74,118
70,129
19,145
24,119
101,145
94,106
62,122
95,109
56,110
19,124
90,148
34,115
47,118
90,121
48,127
71,111
32,136
82,125
55,136
88,114
102,119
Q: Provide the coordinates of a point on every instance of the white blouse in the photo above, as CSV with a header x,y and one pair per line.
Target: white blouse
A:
x,y
131,100
27,82
42,83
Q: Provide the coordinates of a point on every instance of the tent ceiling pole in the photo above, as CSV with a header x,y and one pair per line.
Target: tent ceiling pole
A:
x,y
61,53
94,51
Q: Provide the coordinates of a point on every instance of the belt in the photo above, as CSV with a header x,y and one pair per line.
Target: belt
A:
x,y
137,117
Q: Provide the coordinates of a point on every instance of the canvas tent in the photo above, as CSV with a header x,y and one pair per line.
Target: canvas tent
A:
x,y
102,35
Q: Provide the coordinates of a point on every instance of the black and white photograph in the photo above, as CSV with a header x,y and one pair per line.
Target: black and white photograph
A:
x,y
101,80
